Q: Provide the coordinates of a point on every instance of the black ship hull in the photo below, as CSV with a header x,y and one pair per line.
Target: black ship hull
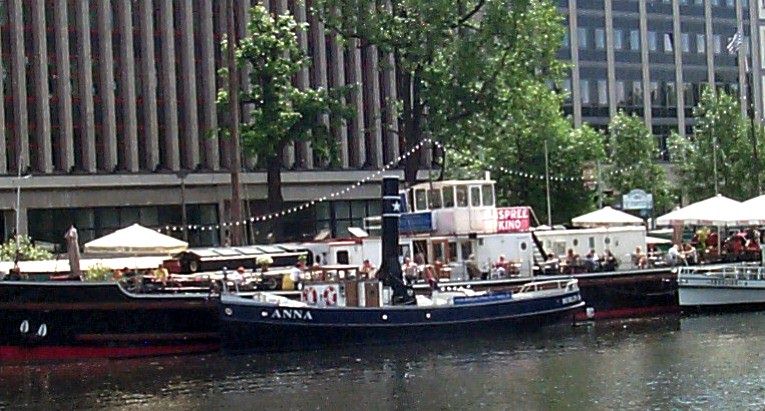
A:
x,y
620,294
52,321
247,325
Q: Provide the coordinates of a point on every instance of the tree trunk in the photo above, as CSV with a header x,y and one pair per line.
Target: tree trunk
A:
x,y
414,131
275,199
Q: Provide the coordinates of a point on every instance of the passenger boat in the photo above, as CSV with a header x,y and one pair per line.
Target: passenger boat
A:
x,y
72,320
722,287
358,312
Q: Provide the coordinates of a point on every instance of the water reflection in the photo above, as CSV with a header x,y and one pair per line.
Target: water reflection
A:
x,y
704,361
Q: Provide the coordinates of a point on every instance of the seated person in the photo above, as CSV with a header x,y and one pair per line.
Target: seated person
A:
x,y
609,261
471,266
410,270
367,269
690,255
501,266
552,265
161,274
591,261
430,276
675,255
639,258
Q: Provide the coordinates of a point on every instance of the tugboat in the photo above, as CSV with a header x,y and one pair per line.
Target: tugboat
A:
x,y
369,311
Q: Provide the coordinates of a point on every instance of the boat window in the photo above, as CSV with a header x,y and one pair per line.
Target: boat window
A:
x,y
575,242
438,252
448,197
466,248
342,257
475,196
488,195
607,240
420,202
523,246
434,198
592,242
462,198
451,254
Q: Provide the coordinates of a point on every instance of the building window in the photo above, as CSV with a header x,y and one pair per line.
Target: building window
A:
x,y
668,42
602,93
655,98
652,41
634,40
619,86
581,34
567,89
671,94
617,39
637,93
698,2
718,43
566,40
585,91
686,40
716,3
701,44
729,3
600,39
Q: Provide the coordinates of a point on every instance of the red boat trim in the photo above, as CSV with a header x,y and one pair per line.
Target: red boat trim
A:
x,y
628,312
58,353
146,336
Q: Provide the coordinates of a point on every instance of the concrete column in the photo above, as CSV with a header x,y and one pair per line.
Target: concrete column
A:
x,y
42,132
209,118
242,16
337,79
278,7
390,128
3,149
224,146
678,49
148,69
167,84
710,46
754,46
128,140
611,69
188,86
357,145
65,151
319,66
372,106
303,150
108,149
87,130
573,36
18,84
644,66
742,61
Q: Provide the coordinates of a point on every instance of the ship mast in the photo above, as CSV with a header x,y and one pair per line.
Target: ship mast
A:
x,y
235,162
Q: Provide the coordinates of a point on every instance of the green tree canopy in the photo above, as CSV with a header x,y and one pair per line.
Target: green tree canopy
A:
x,y
633,151
461,64
718,121
27,251
281,112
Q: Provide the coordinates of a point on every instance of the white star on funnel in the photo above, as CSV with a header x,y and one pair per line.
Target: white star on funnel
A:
x,y
396,206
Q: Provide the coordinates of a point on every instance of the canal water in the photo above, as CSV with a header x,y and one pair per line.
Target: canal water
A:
x,y
699,362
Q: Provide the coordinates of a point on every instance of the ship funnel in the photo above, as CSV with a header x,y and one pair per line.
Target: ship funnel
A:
x,y
390,269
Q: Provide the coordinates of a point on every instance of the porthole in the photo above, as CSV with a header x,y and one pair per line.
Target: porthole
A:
x,y
228,311
524,246
575,242
385,317
607,240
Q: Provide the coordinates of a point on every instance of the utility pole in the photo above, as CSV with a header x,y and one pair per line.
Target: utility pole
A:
x,y
547,181
233,99
182,175
714,154
600,184
750,111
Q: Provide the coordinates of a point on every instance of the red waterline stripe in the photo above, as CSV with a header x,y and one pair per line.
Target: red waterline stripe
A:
x,y
57,353
628,312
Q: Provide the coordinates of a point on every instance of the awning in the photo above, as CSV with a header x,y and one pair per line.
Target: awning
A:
x,y
718,210
136,240
606,216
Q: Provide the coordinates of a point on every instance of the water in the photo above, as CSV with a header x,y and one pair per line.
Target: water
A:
x,y
701,362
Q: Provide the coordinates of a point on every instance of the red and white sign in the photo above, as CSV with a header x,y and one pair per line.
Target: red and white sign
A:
x,y
513,219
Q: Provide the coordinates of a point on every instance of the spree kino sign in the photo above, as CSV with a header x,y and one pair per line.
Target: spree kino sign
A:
x,y
513,219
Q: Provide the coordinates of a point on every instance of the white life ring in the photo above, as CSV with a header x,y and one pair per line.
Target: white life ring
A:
x,y
42,331
310,295
24,327
330,296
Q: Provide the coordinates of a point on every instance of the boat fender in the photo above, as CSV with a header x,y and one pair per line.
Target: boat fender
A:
x,y
330,296
24,327
309,295
42,331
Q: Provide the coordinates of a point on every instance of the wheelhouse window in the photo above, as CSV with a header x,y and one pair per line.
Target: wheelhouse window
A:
x,y
462,196
448,193
475,196
420,201
488,195
434,198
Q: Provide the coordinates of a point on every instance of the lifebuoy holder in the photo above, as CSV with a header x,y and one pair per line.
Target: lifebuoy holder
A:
x,y
330,296
310,295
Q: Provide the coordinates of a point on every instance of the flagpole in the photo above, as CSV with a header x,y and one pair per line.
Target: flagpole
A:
x,y
547,184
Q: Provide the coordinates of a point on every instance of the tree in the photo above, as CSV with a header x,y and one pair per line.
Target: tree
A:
x,y
718,121
537,117
460,64
633,150
281,112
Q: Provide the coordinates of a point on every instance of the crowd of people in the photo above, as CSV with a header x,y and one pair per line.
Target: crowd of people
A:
x,y
573,263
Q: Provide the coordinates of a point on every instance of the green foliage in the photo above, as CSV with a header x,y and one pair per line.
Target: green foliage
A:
x,y
718,121
467,62
633,151
280,112
98,272
27,250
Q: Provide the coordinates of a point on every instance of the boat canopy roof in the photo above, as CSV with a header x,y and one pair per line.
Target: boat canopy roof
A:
x,y
448,183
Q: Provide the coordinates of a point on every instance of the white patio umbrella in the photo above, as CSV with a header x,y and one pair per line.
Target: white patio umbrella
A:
x,y
755,207
136,240
718,210
606,216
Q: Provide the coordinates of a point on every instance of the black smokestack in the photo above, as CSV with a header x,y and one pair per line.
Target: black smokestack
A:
x,y
390,269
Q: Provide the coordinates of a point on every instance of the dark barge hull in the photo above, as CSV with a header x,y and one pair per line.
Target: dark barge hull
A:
x,y
52,321
619,294
247,326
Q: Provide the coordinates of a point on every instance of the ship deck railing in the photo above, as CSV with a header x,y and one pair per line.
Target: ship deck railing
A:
x,y
748,272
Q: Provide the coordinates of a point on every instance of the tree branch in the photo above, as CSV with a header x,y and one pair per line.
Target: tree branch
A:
x,y
462,20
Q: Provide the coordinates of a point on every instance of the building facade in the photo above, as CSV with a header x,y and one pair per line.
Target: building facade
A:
x,y
652,58
109,107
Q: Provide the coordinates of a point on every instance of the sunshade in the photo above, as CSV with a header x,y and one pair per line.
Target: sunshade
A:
x,y
606,216
718,210
136,240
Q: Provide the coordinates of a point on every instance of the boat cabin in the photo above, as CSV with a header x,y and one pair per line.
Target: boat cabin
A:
x,y
216,258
